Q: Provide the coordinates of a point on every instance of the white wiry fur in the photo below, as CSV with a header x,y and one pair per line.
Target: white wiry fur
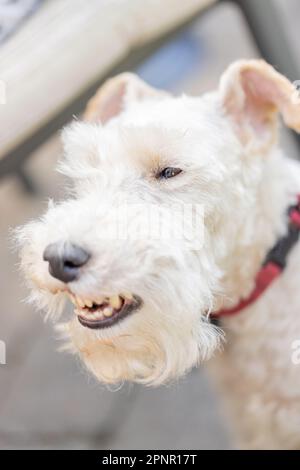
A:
x,y
225,143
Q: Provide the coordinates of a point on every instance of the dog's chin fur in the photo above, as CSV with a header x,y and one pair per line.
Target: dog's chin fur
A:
x,y
151,352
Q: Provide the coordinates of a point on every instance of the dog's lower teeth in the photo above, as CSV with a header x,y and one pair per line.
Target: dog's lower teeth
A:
x,y
107,312
94,315
115,302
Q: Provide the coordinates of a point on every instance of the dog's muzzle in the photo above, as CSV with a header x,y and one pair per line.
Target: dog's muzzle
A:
x,y
65,263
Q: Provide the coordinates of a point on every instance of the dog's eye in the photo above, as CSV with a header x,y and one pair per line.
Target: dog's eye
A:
x,y
169,172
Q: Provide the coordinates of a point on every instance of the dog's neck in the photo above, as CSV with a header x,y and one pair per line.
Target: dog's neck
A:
x,y
264,221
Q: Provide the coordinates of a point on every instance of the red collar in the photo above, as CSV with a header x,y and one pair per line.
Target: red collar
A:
x,y
273,264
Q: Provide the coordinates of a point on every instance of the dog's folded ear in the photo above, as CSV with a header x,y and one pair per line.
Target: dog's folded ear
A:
x,y
252,93
113,96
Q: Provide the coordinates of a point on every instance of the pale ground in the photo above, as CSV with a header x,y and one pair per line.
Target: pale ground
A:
x,y
46,399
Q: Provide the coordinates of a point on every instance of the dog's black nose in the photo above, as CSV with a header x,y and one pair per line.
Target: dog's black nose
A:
x,y
64,260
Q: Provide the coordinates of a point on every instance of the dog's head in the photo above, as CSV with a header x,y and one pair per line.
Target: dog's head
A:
x,y
143,159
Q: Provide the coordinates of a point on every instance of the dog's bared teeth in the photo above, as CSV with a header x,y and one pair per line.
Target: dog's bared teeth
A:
x,y
115,301
88,303
100,307
107,312
128,295
80,302
98,315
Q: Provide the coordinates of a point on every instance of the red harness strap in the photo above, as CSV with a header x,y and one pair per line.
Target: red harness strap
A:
x,y
273,265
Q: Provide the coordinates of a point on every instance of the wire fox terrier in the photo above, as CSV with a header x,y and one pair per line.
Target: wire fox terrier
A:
x,y
144,304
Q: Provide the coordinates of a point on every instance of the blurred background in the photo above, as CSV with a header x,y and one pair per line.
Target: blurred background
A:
x,y
53,56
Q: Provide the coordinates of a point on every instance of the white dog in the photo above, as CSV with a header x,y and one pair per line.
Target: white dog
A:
x,y
143,304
